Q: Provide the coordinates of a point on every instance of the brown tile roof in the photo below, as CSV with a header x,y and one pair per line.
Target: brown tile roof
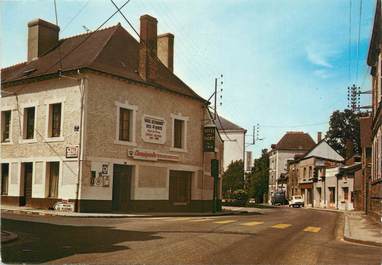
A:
x,y
224,124
295,141
111,50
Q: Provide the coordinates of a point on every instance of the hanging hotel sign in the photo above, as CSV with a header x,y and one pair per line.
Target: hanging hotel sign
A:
x,y
71,151
153,129
209,138
151,155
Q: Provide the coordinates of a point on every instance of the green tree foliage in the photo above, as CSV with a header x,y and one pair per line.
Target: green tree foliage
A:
x,y
233,178
258,178
343,129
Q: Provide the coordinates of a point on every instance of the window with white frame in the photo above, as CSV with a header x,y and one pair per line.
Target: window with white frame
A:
x,y
55,120
179,132
29,119
6,126
52,177
125,123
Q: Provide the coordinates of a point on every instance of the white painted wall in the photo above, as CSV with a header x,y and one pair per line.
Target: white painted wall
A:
x,y
324,150
233,146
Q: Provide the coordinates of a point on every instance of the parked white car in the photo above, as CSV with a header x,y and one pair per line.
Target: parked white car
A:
x,y
296,201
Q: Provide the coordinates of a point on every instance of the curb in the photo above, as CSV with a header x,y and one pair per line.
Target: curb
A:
x,y
19,212
353,240
359,241
9,237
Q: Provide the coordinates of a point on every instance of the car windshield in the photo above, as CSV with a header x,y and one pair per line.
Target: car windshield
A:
x,y
297,197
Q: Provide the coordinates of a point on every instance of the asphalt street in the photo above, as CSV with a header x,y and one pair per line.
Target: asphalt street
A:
x,y
278,236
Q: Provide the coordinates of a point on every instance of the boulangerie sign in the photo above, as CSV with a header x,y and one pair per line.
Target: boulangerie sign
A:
x,y
153,129
151,155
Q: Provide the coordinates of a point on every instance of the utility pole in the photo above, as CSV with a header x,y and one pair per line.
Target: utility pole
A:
x,y
215,95
354,102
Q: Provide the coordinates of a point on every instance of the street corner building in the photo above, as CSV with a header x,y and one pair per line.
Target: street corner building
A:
x,y
99,122
291,144
374,60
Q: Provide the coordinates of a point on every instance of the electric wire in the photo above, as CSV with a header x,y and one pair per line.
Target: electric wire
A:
x,y
87,37
75,16
359,38
350,59
59,47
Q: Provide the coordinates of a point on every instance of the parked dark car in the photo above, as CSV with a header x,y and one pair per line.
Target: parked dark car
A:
x,y
279,198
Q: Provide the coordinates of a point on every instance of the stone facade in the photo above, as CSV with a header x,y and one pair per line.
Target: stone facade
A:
x,y
89,165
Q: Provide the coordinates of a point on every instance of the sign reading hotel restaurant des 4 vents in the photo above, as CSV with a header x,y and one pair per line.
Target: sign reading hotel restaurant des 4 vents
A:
x,y
209,138
151,155
153,129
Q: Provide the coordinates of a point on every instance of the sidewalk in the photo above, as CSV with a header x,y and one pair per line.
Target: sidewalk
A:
x,y
41,212
360,228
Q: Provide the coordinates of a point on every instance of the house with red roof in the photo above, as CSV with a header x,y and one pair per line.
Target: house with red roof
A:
x,y
100,122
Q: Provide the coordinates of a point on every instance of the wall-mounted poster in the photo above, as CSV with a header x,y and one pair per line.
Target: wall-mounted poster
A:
x,y
71,151
105,169
153,129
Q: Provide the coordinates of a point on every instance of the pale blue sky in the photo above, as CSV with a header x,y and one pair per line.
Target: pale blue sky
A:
x,y
285,62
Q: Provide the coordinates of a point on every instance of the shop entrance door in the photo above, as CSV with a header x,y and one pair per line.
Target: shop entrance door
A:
x,y
121,187
180,187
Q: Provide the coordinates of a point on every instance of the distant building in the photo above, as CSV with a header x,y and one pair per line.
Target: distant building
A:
x,y
374,60
320,177
234,141
312,169
291,144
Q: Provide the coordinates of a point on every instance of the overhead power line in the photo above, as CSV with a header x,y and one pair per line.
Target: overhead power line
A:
x,y
59,48
75,16
87,37
295,126
350,59
359,38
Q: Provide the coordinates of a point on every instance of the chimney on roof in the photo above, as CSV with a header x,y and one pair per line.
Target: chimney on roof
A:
x,y
42,36
166,50
319,136
148,48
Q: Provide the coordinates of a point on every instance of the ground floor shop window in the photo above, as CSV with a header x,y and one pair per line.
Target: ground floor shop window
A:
x,y
53,170
4,178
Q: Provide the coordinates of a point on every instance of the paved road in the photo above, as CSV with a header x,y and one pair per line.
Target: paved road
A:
x,y
279,236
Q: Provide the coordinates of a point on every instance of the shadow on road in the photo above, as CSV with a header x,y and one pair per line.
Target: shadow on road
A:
x,y
41,242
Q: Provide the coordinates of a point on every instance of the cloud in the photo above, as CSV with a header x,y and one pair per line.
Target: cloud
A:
x,y
322,73
318,57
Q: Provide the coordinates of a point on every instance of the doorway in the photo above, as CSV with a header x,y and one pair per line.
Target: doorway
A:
x,y
180,187
121,187
27,172
332,197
